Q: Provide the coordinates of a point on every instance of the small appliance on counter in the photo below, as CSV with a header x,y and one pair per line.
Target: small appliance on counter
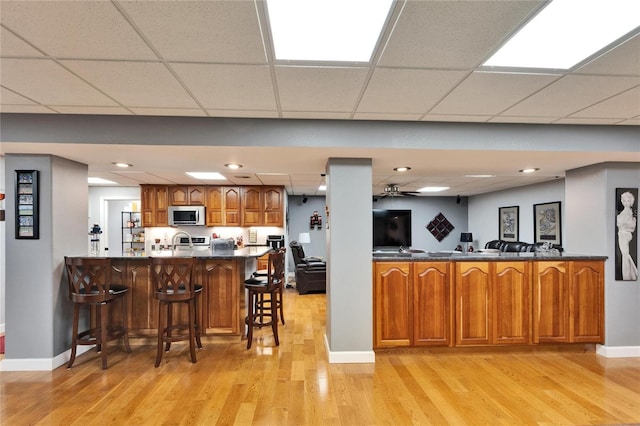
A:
x,y
275,241
222,245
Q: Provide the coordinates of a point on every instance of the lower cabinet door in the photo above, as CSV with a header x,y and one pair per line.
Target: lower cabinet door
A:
x,y
511,303
220,304
587,302
473,302
432,304
392,304
550,302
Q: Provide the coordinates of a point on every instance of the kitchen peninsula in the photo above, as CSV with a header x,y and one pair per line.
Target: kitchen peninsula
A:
x,y
222,275
485,299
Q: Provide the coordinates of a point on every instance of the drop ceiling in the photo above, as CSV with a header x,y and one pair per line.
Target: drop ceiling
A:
x,y
215,59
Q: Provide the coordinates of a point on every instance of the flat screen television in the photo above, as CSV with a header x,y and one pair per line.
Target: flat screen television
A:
x,y
391,228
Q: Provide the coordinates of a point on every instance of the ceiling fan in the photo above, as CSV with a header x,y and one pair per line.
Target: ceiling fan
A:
x,y
393,190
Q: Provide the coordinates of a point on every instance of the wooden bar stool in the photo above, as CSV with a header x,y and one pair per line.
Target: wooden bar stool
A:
x,y
262,275
173,282
90,285
257,289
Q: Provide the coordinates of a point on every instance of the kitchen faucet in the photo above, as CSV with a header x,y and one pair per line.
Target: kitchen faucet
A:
x,y
173,242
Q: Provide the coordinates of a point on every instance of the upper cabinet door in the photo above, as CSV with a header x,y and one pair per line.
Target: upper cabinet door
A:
x,y
214,205
252,206
232,206
273,198
186,195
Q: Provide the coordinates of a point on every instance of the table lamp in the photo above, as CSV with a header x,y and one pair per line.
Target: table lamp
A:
x,y
304,238
466,237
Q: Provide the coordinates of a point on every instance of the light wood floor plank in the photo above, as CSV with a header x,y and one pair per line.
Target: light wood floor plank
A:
x,y
294,384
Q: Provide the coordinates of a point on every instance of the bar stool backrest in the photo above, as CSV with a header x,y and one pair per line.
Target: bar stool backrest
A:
x,y
173,277
89,279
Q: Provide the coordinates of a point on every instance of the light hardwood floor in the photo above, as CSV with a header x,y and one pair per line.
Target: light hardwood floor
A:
x,y
294,384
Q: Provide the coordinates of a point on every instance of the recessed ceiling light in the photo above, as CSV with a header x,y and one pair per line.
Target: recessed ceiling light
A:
x,y
330,30
322,188
99,181
433,189
207,175
233,166
123,165
529,170
566,32
402,169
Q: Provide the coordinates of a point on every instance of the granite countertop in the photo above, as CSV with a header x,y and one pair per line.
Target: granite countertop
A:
x,y
479,256
244,252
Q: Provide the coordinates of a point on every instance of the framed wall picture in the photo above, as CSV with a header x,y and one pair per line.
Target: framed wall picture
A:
x,y
547,223
626,234
508,223
27,212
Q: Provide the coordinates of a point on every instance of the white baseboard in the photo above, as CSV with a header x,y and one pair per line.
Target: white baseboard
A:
x,y
349,357
618,351
41,364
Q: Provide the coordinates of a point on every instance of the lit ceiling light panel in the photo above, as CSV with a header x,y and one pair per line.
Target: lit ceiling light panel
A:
x,y
327,30
566,32
206,175
433,189
99,181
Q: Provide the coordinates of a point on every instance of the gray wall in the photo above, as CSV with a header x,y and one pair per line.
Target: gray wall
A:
x,y
2,248
483,209
37,311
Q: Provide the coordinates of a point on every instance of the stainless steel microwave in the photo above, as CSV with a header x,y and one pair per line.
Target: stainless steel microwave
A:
x,y
186,215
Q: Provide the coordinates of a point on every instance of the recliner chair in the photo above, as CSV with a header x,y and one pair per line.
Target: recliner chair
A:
x,y
311,272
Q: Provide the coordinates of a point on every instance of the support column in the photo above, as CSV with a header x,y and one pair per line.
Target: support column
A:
x,y
349,336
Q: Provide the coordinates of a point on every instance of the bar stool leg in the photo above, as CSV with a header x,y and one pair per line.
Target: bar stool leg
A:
x,y
250,318
103,333
125,324
192,329
74,336
160,333
274,317
198,331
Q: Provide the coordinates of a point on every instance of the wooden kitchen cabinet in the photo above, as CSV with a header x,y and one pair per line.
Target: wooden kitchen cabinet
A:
x,y
586,302
182,195
511,303
154,205
393,310
493,303
232,201
252,208
550,302
432,304
473,302
273,205
221,307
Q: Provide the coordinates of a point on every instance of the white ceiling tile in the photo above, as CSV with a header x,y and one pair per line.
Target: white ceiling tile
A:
x,y
386,116
201,31
10,45
48,83
625,105
621,60
631,122
570,94
488,93
27,109
134,83
521,119
91,110
594,121
452,34
318,115
242,113
457,118
9,97
180,112
75,29
229,86
407,91
319,88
